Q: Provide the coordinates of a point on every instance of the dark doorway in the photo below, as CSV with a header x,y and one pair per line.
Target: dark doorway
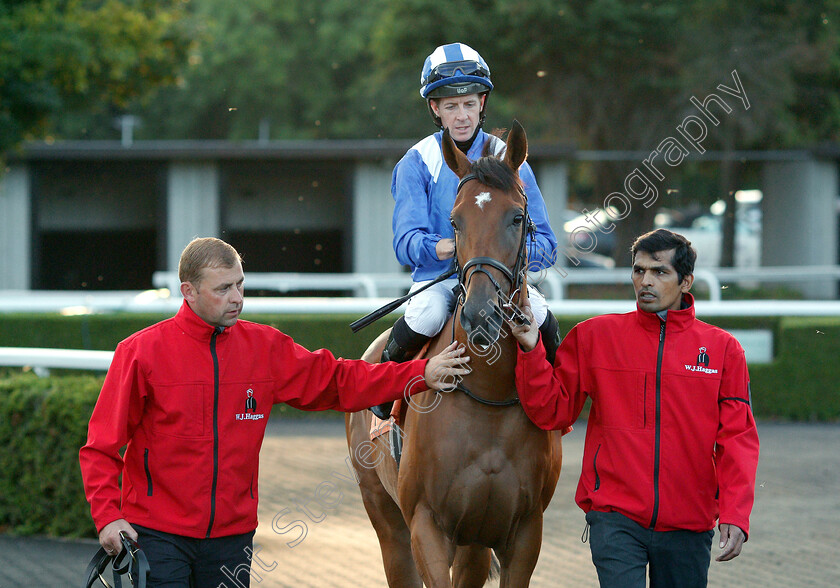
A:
x,y
96,260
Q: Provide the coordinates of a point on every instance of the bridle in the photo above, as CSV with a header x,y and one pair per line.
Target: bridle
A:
x,y
515,276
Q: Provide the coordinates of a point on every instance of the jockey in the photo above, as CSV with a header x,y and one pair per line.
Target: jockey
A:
x,y
455,82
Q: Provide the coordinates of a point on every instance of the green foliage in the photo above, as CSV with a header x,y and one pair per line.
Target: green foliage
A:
x,y
801,384
601,74
43,423
296,64
104,331
65,55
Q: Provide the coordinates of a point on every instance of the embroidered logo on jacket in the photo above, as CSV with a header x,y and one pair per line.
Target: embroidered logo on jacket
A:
x,y
250,413
702,364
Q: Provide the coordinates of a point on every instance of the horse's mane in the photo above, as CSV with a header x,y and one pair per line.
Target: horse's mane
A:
x,y
492,171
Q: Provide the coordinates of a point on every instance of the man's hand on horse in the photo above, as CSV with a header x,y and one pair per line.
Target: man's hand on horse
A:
x,y
445,249
526,334
445,368
109,537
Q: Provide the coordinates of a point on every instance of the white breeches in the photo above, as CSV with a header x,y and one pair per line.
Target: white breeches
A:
x,y
429,310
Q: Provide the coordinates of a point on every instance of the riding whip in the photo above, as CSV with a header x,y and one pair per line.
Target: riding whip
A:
x,y
377,314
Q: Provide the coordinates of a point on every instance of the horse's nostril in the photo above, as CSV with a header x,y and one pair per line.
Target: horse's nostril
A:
x,y
480,340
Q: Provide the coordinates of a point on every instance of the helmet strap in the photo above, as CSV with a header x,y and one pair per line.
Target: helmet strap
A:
x,y
436,118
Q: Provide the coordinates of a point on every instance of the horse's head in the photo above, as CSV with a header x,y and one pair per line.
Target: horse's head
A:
x,y
491,222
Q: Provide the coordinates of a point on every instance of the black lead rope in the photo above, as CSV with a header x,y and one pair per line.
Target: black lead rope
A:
x,y
131,561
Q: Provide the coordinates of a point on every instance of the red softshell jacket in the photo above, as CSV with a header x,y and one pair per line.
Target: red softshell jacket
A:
x,y
191,402
671,441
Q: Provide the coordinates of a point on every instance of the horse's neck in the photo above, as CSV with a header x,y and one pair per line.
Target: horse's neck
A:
x,y
493,369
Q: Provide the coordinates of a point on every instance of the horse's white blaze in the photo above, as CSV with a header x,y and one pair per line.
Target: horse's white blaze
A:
x,y
481,199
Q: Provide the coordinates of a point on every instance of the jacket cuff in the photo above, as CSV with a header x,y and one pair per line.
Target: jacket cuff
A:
x,y
745,527
109,515
536,353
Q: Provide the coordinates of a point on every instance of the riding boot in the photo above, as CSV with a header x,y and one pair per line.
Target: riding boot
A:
x,y
550,332
403,344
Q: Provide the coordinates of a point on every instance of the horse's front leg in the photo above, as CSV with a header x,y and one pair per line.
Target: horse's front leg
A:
x,y
433,551
522,551
471,567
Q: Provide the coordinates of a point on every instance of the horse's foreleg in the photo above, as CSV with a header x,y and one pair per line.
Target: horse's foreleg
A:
x,y
383,512
394,538
521,553
433,551
471,567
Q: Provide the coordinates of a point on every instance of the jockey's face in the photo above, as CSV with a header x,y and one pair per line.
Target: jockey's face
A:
x,y
459,114
217,297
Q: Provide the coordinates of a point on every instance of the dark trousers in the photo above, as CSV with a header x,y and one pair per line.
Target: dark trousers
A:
x,y
183,562
622,550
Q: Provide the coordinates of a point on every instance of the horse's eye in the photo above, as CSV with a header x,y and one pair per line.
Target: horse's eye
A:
x,y
517,220
454,226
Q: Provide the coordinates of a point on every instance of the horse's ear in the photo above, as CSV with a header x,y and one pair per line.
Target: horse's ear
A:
x,y
453,156
517,146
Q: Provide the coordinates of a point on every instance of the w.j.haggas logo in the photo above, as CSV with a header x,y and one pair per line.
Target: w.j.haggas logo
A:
x,y
250,413
702,364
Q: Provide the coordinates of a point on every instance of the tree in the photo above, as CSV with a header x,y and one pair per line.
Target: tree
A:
x,y
60,56
294,66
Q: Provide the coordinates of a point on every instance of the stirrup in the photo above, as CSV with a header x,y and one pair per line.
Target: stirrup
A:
x,y
382,411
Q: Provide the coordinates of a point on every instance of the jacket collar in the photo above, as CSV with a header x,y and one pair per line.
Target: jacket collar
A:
x,y
678,320
477,147
194,326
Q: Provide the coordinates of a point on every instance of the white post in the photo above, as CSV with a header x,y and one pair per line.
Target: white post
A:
x,y
192,208
799,219
15,229
373,209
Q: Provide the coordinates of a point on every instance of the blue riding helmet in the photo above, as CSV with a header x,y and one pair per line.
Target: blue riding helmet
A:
x,y
455,69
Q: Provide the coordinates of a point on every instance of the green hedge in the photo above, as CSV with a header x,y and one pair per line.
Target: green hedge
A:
x,y
43,423
801,383
104,331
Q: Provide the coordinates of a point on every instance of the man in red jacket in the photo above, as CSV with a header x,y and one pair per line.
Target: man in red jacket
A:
x,y
671,445
189,398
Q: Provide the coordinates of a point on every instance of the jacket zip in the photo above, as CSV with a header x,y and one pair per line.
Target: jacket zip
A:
x,y
148,472
656,448
215,427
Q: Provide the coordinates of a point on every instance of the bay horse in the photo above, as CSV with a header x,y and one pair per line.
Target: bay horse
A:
x,y
476,474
